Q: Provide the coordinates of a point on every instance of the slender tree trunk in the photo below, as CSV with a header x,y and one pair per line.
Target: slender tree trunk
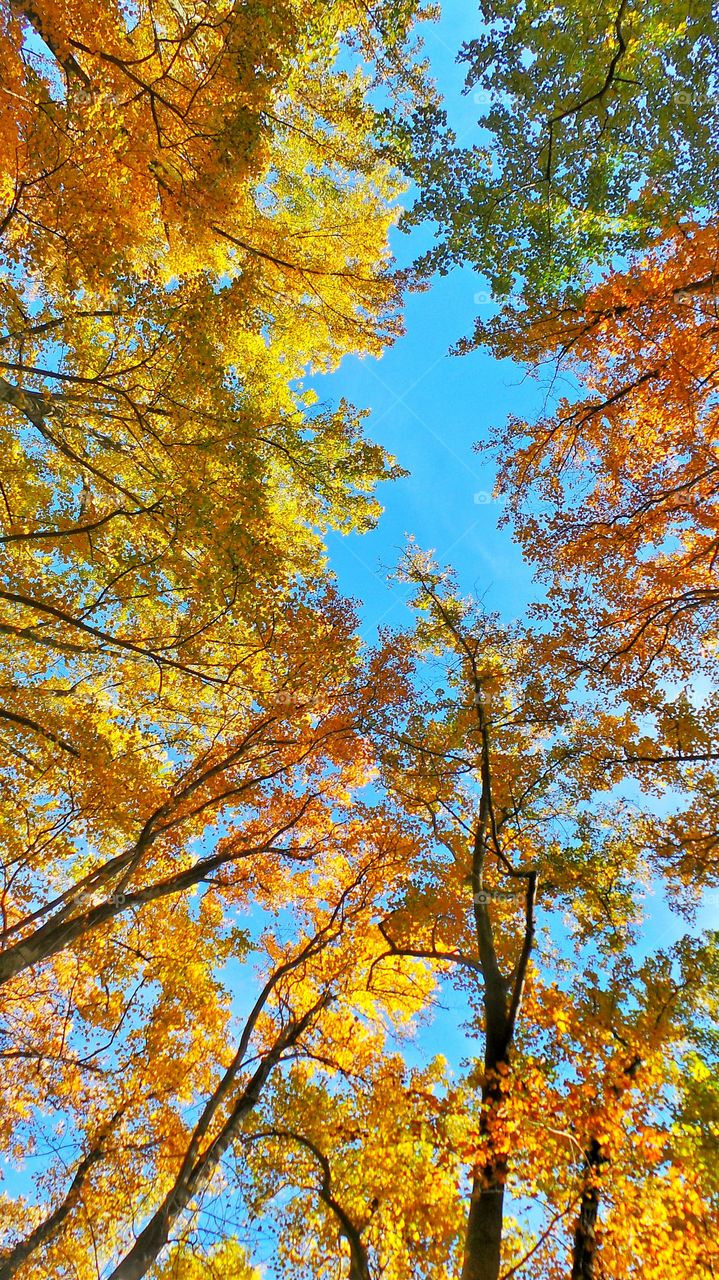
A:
x,y
585,1235
198,1166
483,1240
501,992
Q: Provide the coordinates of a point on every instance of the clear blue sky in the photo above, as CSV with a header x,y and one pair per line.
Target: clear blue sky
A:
x,y
429,408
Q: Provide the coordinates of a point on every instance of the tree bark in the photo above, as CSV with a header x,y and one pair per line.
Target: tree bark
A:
x,y
502,997
585,1235
483,1245
483,1238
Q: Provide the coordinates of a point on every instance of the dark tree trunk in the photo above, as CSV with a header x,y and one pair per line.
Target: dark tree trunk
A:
x,y
484,1227
483,1240
585,1235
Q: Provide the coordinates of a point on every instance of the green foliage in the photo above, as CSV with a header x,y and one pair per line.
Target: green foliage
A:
x,y
599,123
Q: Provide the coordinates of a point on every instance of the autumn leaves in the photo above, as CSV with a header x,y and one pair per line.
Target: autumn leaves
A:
x,y
612,496
195,211
244,854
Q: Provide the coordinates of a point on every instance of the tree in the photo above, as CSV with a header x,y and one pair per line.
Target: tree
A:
x,y
153,1081
367,1157
661,1003
570,1098
164,125
613,498
196,212
592,128
493,765
168,482
226,1261
159,451
598,122
625,471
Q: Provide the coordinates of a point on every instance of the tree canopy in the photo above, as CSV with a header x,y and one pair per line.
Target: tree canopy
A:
x,y
248,856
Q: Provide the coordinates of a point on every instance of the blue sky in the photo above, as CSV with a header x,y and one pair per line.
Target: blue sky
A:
x,y
429,408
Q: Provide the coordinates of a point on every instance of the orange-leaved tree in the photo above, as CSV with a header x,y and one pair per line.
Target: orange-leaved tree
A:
x,y
498,767
167,481
196,210
260,877
614,493
147,139
575,1048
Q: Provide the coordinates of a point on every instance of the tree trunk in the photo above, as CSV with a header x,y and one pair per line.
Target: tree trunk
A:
x,y
483,1240
585,1235
483,1243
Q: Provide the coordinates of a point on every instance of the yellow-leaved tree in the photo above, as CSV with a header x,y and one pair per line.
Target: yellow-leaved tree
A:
x,y
195,213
